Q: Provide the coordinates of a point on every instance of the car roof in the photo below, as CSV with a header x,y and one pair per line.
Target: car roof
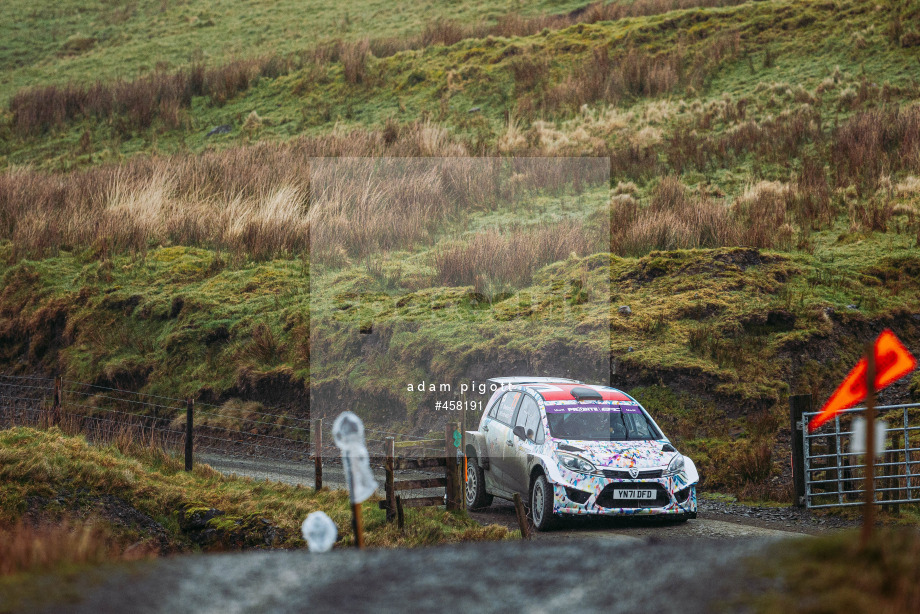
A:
x,y
562,391
527,379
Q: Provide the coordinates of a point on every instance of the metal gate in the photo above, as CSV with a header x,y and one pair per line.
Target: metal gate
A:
x,y
835,477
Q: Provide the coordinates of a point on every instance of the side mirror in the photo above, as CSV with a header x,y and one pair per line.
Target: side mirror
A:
x,y
519,431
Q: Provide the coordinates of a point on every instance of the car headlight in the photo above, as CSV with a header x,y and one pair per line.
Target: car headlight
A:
x,y
676,466
576,463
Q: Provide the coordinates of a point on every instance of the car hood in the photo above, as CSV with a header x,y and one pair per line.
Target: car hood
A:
x,y
619,454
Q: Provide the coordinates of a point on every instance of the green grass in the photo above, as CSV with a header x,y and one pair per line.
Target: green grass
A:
x,y
51,475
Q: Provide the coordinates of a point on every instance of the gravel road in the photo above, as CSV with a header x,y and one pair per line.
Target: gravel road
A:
x,y
579,574
716,519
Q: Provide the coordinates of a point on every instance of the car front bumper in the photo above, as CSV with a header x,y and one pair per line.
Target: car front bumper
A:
x,y
592,495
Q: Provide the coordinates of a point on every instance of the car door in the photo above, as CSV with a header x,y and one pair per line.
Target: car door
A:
x,y
517,465
497,432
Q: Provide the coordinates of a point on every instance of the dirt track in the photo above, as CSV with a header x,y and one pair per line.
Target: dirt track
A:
x,y
714,521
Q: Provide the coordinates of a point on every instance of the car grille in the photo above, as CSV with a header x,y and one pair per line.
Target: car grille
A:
x,y
620,474
605,499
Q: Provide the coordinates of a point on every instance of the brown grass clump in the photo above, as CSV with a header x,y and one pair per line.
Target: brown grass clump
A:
x,y
354,61
673,219
136,104
873,144
635,73
27,548
509,259
761,213
160,95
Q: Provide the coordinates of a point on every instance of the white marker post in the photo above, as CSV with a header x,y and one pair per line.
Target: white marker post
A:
x,y
348,433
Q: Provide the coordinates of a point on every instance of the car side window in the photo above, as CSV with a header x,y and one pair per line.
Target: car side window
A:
x,y
493,411
529,417
506,407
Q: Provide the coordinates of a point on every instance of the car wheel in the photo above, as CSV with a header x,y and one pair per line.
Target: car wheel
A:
x,y
476,495
541,504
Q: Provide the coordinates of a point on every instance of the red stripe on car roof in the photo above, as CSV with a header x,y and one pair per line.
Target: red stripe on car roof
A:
x,y
563,393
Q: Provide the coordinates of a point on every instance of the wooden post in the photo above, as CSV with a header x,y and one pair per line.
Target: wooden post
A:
x,y
318,452
390,467
189,433
56,403
869,512
521,516
357,523
400,517
798,405
454,488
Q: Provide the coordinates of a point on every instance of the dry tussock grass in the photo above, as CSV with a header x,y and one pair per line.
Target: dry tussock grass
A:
x,y
607,77
27,548
493,259
272,199
673,219
762,213
251,199
135,105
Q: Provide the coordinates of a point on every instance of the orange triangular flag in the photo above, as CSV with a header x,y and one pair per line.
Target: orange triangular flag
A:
x,y
892,362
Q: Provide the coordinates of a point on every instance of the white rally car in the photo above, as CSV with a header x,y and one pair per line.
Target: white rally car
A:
x,y
570,448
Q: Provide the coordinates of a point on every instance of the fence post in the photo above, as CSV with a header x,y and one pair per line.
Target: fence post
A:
x,y
400,516
56,403
390,466
798,405
454,488
189,433
318,452
521,516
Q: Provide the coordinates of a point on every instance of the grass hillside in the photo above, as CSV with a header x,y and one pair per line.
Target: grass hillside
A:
x,y
82,41
746,179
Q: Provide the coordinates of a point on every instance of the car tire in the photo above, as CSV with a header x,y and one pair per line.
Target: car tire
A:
x,y
475,492
541,505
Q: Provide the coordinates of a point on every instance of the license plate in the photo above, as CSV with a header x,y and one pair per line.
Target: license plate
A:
x,y
627,493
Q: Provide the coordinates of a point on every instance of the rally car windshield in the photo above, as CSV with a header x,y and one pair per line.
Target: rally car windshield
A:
x,y
600,422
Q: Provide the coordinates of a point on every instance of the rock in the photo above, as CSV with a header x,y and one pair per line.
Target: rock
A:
x,y
852,307
196,519
212,528
222,129
624,310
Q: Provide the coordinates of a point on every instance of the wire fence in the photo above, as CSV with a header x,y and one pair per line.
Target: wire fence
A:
x,y
234,437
